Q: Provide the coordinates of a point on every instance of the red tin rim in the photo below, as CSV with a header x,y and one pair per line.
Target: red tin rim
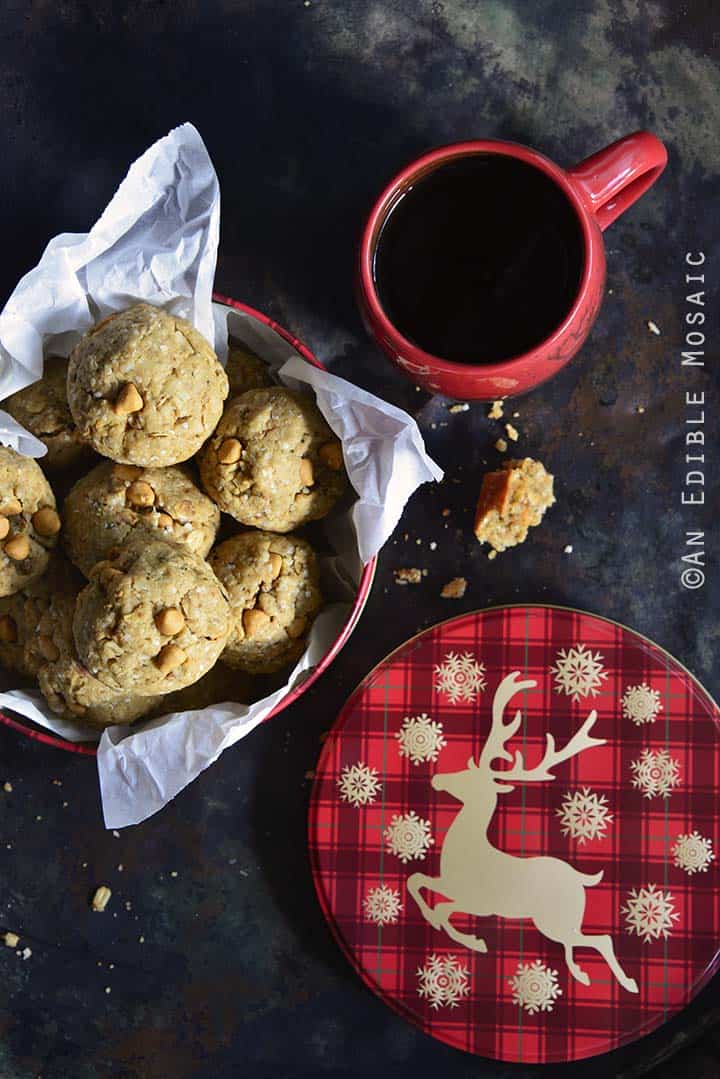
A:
x,y
426,162
366,580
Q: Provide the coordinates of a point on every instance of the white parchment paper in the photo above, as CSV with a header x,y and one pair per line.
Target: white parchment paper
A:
x,y
157,241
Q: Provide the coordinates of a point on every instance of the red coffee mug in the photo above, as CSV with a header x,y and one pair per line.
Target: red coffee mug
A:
x,y
599,189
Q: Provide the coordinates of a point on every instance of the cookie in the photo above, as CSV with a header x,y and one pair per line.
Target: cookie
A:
x,y
151,620
21,612
218,685
511,501
145,388
272,582
29,521
43,409
114,502
245,370
273,462
68,687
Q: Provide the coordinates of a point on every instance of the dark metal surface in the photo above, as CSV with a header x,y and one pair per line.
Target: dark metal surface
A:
x,y
306,111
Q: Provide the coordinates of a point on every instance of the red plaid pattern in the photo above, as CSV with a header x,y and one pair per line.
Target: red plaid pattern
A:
x,y
351,857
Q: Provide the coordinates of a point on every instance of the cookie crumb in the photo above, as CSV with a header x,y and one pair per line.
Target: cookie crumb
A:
x,y
454,589
512,499
26,953
492,554
640,409
101,898
653,327
568,548
108,989
511,432
11,939
445,512
408,576
7,787
433,545
460,407
174,873
496,412
501,445
116,834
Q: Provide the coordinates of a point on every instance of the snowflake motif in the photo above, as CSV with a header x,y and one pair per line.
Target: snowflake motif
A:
x,y
359,784
641,704
460,677
584,815
649,913
408,836
692,853
420,738
443,981
656,773
535,987
578,672
382,905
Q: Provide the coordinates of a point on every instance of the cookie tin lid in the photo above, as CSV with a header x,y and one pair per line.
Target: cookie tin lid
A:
x,y
513,833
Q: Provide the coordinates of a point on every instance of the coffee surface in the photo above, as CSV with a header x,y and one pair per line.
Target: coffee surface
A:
x,y
480,260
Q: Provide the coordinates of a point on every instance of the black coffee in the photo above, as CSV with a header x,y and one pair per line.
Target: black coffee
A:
x,y
480,260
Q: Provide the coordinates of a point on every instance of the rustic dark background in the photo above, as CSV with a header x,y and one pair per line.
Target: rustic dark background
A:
x,y
213,949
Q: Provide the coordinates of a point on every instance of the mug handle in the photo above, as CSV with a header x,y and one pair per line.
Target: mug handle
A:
x,y
613,179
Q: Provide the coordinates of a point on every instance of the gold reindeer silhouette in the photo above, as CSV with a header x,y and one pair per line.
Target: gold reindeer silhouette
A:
x,y
481,880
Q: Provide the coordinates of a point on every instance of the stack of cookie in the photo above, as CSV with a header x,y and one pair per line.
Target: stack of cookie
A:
x,y
162,609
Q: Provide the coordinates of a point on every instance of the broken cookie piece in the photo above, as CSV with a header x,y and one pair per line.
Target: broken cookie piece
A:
x,y
512,500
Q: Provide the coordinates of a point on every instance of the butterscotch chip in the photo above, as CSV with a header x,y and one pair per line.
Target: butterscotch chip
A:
x,y
229,451
17,548
280,481
101,898
46,521
128,400
512,500
253,621
11,507
114,626
454,589
109,505
8,629
169,657
307,477
170,621
171,404
272,582
140,493
4,527
331,454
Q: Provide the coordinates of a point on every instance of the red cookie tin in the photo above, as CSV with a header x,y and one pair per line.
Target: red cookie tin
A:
x,y
514,832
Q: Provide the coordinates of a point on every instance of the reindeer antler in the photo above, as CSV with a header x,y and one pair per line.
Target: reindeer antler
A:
x,y
501,732
580,741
